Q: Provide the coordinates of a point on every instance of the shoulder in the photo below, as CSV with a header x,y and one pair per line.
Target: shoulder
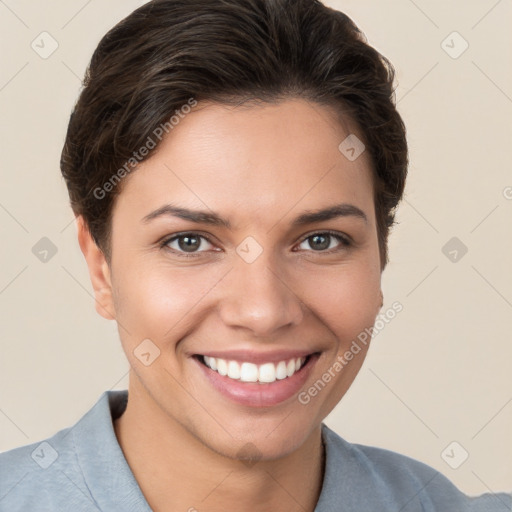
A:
x,y
43,476
391,481
56,473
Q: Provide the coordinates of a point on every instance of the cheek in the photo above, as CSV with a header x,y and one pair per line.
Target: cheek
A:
x,y
347,299
158,302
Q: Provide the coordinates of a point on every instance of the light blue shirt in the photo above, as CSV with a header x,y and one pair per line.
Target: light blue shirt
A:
x,y
82,468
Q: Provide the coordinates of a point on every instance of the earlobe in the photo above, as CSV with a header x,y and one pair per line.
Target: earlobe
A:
x,y
99,271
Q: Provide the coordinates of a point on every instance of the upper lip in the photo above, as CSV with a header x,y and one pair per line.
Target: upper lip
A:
x,y
253,356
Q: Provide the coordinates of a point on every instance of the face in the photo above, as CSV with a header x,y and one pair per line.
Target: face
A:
x,y
254,286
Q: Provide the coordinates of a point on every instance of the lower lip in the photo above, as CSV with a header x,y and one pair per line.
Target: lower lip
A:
x,y
259,395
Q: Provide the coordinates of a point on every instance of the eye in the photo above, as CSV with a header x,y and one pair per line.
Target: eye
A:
x,y
186,244
322,241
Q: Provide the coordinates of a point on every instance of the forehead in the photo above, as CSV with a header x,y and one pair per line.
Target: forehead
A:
x,y
252,162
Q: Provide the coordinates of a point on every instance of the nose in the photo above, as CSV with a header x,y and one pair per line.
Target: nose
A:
x,y
258,298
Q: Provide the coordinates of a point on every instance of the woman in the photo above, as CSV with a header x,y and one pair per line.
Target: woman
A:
x,y
234,167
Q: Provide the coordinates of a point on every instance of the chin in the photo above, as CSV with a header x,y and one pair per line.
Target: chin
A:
x,y
259,441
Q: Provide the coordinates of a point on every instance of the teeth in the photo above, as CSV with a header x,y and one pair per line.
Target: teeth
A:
x,y
212,363
222,367
233,370
267,372
249,372
281,370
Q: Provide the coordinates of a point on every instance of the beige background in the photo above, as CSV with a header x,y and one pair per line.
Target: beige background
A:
x,y
439,372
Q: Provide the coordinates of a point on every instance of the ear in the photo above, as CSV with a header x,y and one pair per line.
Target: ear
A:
x,y
99,271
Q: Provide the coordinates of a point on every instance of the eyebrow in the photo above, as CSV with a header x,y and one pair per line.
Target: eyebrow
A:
x,y
214,219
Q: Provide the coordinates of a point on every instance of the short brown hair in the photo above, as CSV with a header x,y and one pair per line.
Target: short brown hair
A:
x,y
229,51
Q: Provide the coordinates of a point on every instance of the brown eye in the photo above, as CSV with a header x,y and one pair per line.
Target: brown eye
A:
x,y
187,243
321,242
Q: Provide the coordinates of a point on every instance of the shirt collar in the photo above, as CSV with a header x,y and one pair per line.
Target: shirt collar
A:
x,y
108,475
105,470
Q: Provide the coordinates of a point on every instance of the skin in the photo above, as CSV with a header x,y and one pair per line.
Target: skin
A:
x,y
260,167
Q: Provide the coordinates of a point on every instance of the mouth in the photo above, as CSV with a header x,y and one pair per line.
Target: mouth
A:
x,y
257,380
245,371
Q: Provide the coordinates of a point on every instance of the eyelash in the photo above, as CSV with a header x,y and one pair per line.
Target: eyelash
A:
x,y
344,241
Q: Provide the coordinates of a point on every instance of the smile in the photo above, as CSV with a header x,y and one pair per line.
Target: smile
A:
x,y
265,373
257,379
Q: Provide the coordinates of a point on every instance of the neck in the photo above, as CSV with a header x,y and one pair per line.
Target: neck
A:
x,y
177,471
